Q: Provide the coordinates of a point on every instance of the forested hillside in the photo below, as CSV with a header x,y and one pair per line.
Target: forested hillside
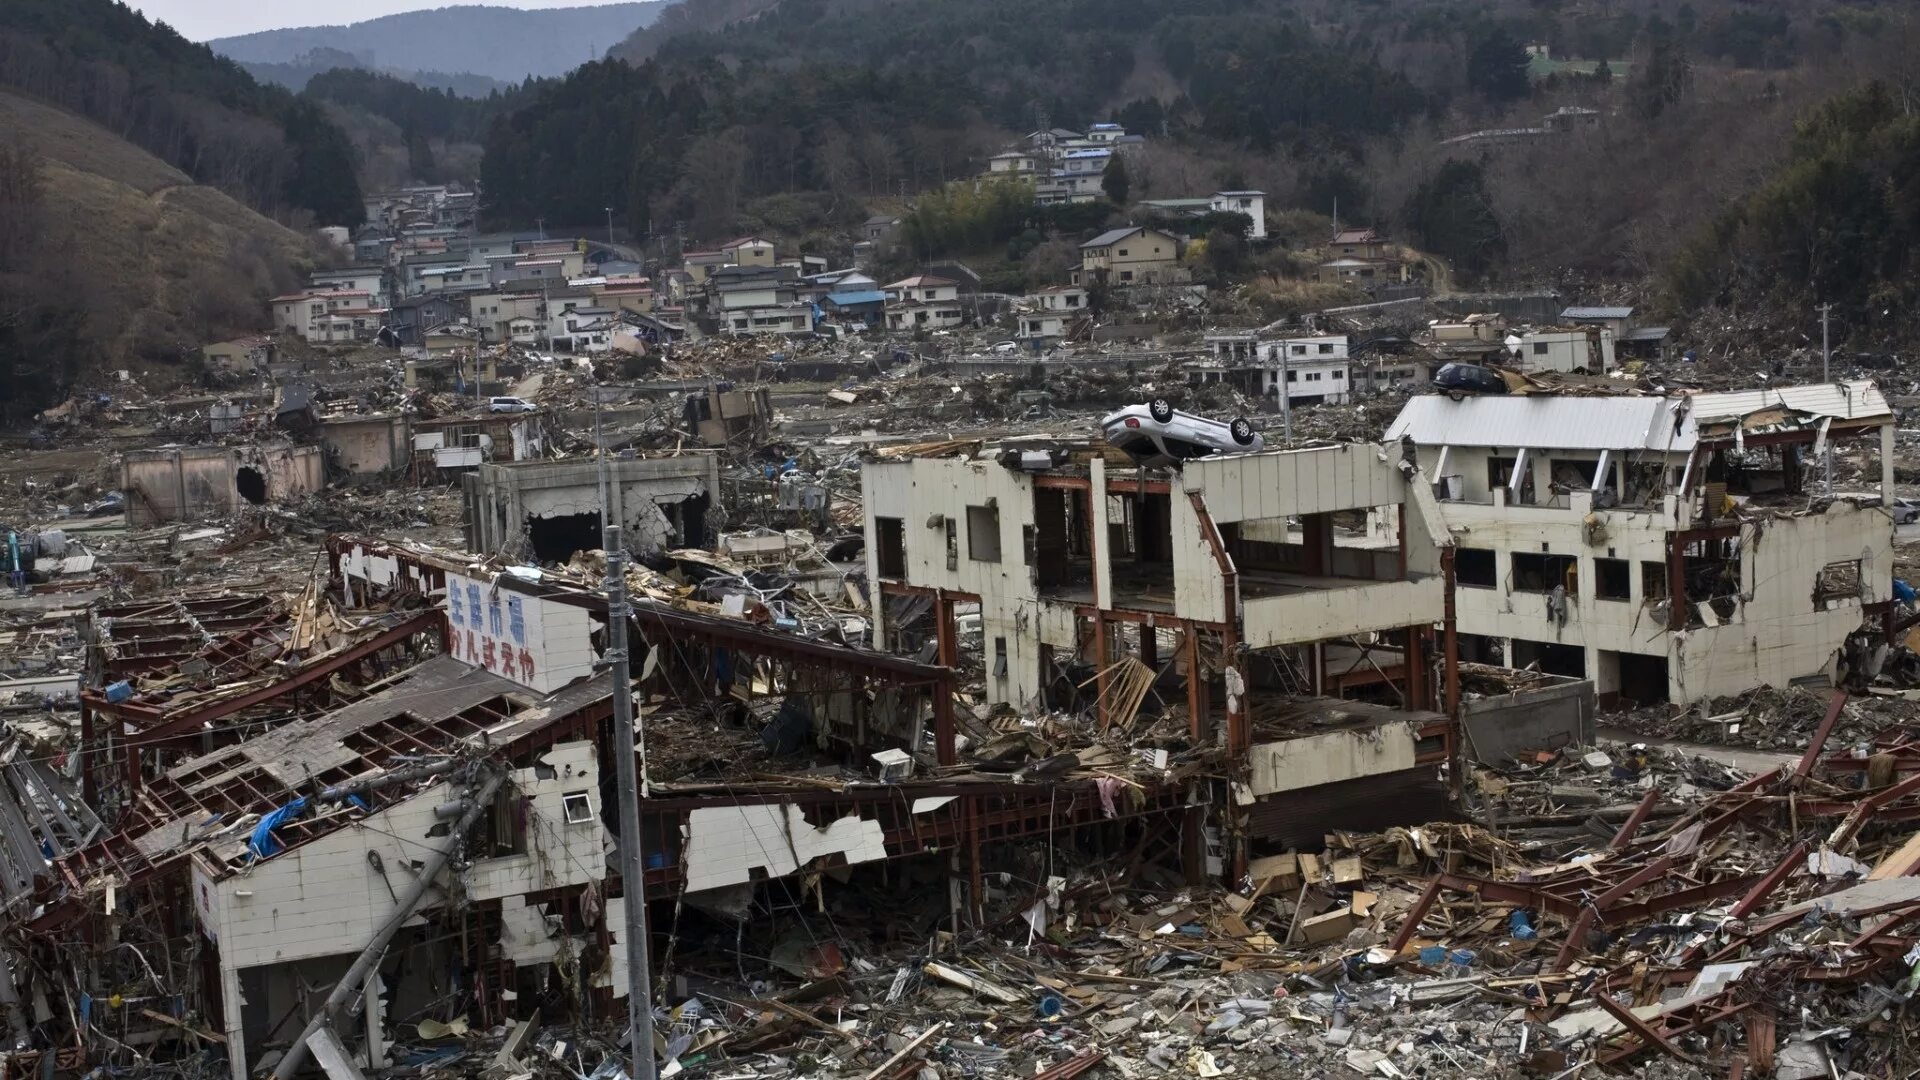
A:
x,y
1658,146
193,110
111,258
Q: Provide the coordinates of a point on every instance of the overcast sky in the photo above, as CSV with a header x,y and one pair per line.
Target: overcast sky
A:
x,y
201,20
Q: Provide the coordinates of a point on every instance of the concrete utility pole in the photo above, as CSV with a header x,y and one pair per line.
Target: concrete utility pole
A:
x,y
1286,392
1826,376
609,226
632,866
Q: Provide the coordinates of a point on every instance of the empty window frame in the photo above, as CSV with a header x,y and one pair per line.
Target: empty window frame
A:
x,y
890,538
1475,568
983,533
1612,579
1653,580
1837,581
1539,572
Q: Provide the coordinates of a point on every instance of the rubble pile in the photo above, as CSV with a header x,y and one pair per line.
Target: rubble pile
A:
x,y
1768,719
1701,930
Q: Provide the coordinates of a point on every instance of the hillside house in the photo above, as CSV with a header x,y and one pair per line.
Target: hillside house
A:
x,y
492,312
371,280
1314,368
1670,548
465,277
1044,325
1064,298
749,251
410,317
700,265
1619,320
582,329
1132,255
1061,186
926,288
1251,203
1588,350
1361,243
1014,162
1090,162
923,302
239,356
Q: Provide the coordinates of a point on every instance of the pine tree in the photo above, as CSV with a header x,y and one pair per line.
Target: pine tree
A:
x,y
1115,182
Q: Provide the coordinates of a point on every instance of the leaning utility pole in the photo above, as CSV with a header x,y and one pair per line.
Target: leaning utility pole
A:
x,y
632,866
1826,376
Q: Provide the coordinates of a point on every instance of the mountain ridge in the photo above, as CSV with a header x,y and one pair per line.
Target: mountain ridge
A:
x,y
502,43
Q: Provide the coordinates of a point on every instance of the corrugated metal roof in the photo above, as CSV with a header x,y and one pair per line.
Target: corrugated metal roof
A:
x,y
1597,313
1541,421
1847,400
1561,422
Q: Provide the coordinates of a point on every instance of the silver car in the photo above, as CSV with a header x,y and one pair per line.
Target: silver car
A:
x,y
1157,434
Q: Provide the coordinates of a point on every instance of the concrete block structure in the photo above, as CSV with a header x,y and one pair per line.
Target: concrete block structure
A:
x,y
1257,590
547,510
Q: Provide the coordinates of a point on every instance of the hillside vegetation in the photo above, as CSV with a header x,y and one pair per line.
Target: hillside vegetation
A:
x,y
110,257
193,110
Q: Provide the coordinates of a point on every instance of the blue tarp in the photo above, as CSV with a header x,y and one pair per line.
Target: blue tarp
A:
x,y
263,844
851,299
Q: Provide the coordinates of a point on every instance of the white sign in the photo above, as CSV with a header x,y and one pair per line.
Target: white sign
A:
x,y
538,643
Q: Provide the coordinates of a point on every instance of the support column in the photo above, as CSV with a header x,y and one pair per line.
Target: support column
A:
x,y
231,1006
1886,464
1316,537
1100,663
1239,732
89,787
1196,685
1149,646
1415,661
1677,607
976,898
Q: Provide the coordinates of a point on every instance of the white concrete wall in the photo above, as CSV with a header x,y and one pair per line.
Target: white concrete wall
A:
x,y
1776,636
916,489
1312,760
324,899
1773,637
730,845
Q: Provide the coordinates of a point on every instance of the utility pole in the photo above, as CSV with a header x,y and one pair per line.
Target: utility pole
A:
x,y
632,866
1286,392
1826,376
609,226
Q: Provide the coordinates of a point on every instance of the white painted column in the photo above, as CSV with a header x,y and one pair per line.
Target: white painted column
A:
x,y
1886,464
232,1004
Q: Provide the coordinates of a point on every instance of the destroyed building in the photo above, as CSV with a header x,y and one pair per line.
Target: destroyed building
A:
x,y
1668,547
550,510
1253,588
195,482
